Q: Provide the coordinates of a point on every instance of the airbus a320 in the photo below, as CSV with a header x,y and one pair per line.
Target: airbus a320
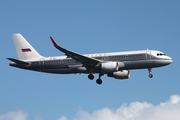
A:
x,y
114,64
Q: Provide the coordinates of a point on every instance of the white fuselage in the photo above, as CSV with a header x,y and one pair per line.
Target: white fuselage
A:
x,y
131,60
114,64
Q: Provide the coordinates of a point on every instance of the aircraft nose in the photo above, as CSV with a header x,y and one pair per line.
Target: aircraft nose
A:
x,y
170,60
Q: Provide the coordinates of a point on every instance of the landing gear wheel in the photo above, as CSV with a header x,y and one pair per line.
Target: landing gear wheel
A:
x,y
150,75
99,81
91,76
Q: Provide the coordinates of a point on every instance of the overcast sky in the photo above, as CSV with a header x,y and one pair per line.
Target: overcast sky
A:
x,y
90,27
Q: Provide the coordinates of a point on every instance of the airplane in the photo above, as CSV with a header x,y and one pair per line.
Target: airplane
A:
x,y
114,64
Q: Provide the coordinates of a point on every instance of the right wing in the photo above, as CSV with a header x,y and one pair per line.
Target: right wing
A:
x,y
86,61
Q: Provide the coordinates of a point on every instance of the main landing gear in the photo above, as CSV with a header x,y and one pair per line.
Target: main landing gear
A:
x,y
98,81
150,75
91,76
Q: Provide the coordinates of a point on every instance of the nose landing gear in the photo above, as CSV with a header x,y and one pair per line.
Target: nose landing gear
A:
x,y
150,75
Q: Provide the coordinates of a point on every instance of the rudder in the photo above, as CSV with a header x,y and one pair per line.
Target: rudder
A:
x,y
24,50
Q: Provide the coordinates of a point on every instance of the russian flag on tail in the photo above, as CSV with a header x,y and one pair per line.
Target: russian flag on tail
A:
x,y
26,50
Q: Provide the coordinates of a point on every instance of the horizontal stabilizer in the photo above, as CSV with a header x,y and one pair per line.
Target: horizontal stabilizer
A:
x,y
19,61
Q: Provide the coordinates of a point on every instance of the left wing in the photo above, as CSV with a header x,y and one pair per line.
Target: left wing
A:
x,y
87,61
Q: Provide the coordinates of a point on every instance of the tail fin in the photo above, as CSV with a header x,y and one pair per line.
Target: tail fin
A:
x,y
24,50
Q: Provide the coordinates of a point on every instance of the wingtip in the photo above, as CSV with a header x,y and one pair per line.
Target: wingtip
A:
x,y
53,41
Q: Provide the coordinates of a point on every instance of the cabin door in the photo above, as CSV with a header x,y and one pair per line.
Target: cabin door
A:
x,y
148,54
41,63
105,58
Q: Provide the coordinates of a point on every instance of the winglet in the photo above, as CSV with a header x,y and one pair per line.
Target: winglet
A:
x,y
54,42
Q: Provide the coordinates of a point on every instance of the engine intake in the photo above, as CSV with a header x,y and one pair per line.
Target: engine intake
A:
x,y
124,74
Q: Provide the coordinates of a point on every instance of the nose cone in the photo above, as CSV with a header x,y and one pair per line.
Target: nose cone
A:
x,y
169,60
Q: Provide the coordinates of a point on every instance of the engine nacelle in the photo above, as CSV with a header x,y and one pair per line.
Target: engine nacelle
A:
x,y
109,67
124,74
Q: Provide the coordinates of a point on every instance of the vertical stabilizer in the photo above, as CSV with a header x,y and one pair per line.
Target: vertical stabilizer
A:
x,y
24,50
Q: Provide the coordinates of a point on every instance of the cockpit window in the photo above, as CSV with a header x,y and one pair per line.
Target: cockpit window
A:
x,y
160,54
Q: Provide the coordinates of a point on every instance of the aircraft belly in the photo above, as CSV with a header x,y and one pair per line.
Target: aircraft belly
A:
x,y
67,69
59,71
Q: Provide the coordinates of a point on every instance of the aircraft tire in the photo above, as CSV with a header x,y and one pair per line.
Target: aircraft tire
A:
x,y
99,81
150,75
91,76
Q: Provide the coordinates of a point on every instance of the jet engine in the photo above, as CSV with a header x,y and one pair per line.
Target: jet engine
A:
x,y
123,74
109,67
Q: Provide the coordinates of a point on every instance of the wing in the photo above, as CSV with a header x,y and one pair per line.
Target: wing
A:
x,y
86,61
